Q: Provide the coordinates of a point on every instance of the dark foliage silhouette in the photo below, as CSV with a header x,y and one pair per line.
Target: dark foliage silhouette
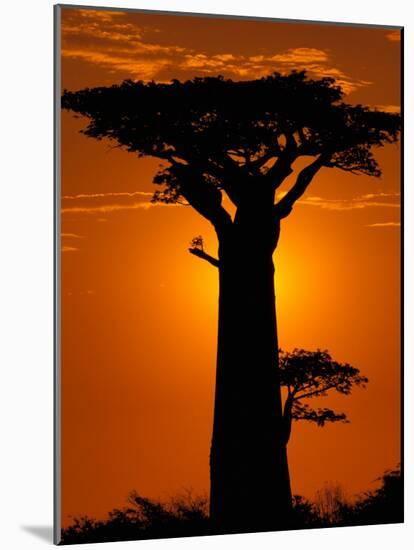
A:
x,y
310,374
188,516
383,505
240,140
331,505
143,518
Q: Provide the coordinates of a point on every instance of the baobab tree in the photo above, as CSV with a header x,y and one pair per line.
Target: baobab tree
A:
x,y
217,139
309,374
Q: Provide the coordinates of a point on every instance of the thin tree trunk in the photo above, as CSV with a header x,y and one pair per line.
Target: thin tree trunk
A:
x,y
287,418
250,488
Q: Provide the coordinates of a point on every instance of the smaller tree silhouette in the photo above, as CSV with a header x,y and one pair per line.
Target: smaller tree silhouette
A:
x,y
197,248
308,374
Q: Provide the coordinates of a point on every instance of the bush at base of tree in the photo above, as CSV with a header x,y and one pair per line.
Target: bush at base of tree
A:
x,y
188,516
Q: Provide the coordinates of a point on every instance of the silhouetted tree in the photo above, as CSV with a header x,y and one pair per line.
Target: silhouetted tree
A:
x,y
310,374
241,140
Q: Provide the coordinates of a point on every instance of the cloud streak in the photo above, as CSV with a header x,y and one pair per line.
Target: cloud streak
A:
x,y
116,43
105,208
104,203
110,194
71,236
393,36
388,108
371,200
385,224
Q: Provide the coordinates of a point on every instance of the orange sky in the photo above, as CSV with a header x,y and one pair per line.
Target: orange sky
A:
x,y
139,313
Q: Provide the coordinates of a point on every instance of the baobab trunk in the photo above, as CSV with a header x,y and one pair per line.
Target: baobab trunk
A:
x,y
250,488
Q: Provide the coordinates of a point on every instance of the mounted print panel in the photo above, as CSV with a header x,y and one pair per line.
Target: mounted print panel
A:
x,y
228,275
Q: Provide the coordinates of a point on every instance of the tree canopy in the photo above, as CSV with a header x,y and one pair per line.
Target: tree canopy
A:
x,y
309,374
217,135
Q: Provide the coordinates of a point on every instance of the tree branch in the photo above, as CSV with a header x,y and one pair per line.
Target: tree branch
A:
x,y
287,419
261,161
203,196
291,144
282,166
315,392
227,177
285,205
225,170
204,256
280,169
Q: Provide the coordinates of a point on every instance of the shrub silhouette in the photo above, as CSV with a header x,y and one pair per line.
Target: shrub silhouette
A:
x,y
187,516
143,518
331,505
383,505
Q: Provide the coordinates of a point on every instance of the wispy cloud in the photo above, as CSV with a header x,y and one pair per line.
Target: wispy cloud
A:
x,y
71,236
110,194
393,36
103,203
371,200
115,42
93,15
385,224
388,108
105,208
301,55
